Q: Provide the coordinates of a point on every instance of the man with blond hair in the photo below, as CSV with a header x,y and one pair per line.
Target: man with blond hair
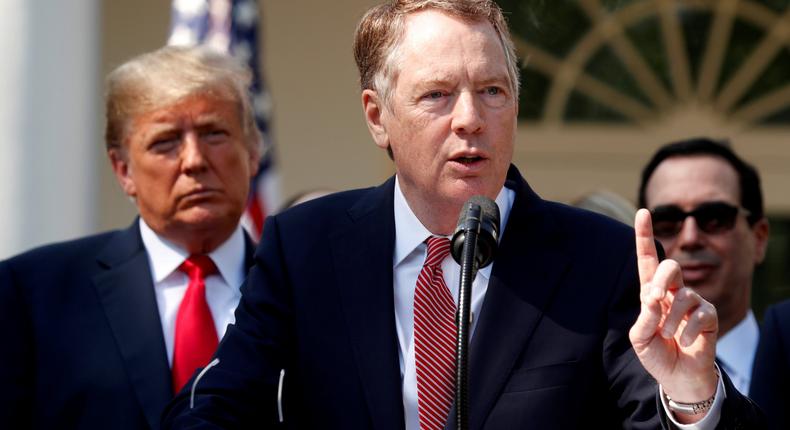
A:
x,y
102,331
347,317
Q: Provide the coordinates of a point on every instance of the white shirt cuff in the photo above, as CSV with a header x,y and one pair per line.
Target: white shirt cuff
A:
x,y
711,419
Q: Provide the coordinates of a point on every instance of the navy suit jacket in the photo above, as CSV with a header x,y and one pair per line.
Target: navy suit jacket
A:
x,y
83,342
550,350
770,386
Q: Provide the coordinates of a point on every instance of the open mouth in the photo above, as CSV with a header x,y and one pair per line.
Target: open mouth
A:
x,y
468,160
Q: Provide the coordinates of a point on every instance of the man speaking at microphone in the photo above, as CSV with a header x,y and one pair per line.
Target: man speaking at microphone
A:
x,y
346,319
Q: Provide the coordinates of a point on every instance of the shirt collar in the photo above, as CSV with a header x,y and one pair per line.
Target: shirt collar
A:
x,y
736,348
165,257
410,233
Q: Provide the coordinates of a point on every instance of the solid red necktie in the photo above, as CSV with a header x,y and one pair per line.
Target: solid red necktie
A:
x,y
434,339
196,336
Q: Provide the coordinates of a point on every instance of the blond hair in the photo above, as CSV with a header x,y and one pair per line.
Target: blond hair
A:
x,y
170,74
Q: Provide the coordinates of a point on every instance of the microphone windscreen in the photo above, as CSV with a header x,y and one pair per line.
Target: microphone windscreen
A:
x,y
478,213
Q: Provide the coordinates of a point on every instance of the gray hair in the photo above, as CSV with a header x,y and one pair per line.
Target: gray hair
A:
x,y
380,32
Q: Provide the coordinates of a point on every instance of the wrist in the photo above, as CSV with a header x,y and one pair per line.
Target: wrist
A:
x,y
691,408
694,390
688,412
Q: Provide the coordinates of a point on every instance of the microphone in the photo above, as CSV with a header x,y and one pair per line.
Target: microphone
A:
x,y
473,246
481,215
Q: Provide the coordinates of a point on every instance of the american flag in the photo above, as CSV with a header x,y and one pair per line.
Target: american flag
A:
x,y
232,26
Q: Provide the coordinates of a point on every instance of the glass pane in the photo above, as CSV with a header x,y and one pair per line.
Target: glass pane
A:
x,y
583,108
775,76
743,40
647,39
781,117
696,26
775,5
613,5
534,87
608,68
553,25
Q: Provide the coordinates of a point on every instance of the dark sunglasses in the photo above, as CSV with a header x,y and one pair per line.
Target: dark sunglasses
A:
x,y
711,218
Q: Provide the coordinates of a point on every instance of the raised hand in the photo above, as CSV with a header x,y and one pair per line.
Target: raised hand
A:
x,y
675,333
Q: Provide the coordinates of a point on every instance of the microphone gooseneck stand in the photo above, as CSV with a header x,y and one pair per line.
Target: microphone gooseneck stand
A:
x,y
473,246
462,316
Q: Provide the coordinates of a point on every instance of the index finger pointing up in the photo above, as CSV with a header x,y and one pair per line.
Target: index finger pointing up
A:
x,y
646,255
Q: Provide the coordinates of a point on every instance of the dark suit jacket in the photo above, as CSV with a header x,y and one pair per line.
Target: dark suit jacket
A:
x,y
770,386
83,342
550,350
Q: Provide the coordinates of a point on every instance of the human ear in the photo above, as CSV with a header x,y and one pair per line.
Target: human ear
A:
x,y
122,170
760,230
374,109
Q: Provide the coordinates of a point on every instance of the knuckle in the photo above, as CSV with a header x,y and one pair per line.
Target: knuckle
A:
x,y
705,314
711,310
684,295
690,295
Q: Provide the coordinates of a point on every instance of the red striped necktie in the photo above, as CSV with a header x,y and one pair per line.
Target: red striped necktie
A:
x,y
434,339
196,336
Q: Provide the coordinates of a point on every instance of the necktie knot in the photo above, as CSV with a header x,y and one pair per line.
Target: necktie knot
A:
x,y
199,266
438,248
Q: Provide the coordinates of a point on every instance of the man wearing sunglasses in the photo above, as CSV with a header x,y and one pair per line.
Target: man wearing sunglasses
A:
x,y
707,212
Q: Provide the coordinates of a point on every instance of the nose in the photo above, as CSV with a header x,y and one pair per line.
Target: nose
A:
x,y
192,157
689,236
466,114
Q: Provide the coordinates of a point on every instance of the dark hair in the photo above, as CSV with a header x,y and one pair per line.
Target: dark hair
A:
x,y
748,178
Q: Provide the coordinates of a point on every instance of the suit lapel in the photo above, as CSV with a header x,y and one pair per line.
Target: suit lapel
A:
x,y
528,266
126,292
362,255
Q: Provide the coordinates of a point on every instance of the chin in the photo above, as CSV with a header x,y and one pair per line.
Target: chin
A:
x,y
474,188
208,217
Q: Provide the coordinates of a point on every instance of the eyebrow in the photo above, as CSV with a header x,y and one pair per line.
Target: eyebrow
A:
x,y
168,120
500,80
503,80
434,82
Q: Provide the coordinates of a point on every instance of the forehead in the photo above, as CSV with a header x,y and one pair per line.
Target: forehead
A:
x,y
193,108
196,110
435,38
690,180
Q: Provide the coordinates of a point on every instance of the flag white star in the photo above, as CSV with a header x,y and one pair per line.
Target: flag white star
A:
x,y
218,41
190,8
242,51
182,35
246,13
262,103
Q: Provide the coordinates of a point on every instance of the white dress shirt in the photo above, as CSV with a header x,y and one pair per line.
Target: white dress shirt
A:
x,y
170,284
408,258
735,351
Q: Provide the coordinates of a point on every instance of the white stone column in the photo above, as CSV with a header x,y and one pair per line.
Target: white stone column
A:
x,y
49,111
